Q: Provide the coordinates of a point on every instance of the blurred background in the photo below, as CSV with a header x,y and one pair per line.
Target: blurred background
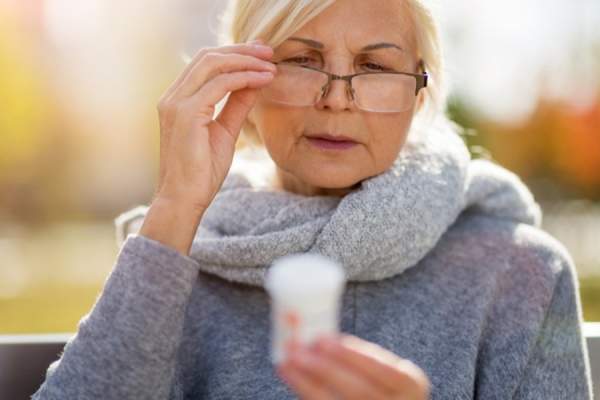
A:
x,y
79,83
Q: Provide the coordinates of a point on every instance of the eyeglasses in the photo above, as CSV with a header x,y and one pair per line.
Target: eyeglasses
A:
x,y
388,91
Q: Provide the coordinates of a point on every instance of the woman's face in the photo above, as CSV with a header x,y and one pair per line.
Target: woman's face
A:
x,y
343,29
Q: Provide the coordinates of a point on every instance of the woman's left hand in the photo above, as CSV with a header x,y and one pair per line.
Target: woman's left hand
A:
x,y
345,366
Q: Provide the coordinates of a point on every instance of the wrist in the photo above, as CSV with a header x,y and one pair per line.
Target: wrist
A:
x,y
179,206
172,223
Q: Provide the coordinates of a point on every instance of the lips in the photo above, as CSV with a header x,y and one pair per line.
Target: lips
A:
x,y
325,141
333,138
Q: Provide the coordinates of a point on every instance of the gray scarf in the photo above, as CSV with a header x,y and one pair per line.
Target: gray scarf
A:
x,y
379,230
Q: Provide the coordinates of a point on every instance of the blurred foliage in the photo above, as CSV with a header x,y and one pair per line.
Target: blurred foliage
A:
x,y
558,143
48,308
23,100
85,147
590,297
33,165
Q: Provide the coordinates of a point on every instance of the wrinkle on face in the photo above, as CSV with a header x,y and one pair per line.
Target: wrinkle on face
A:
x,y
343,28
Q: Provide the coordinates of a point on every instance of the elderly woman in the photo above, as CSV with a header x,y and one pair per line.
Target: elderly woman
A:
x,y
453,290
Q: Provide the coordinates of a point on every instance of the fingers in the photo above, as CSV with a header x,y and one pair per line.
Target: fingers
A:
x,y
236,109
199,108
327,373
201,104
215,72
214,64
306,386
241,48
371,360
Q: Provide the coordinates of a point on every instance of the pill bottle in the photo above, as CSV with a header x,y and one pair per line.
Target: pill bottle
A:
x,y
305,291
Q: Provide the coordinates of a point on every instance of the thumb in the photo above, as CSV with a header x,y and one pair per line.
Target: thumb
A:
x,y
236,109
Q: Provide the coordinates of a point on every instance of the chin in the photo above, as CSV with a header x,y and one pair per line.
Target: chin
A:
x,y
325,180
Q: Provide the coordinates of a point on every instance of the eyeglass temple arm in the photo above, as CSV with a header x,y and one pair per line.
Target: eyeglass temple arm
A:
x,y
422,78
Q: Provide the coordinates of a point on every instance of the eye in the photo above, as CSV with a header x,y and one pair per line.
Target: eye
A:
x,y
374,66
298,59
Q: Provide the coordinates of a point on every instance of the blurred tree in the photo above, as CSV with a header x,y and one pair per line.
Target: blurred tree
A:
x,y
28,151
558,143
577,149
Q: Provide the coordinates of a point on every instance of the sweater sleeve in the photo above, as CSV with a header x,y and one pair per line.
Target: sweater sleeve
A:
x,y
126,346
558,366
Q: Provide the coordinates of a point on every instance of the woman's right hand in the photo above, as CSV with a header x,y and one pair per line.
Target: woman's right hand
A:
x,y
196,151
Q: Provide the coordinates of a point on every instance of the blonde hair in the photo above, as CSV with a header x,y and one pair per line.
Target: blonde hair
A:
x,y
274,21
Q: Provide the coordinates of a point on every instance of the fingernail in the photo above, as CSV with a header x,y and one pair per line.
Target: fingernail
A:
x,y
259,44
265,74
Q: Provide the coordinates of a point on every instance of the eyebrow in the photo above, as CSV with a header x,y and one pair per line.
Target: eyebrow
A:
x,y
374,46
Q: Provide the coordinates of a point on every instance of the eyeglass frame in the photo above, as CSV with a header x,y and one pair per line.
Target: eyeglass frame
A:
x,y
421,79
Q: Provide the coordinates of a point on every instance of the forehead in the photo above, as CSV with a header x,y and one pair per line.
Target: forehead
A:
x,y
358,23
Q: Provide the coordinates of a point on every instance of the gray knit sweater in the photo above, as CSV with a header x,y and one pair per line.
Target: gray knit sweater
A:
x,y
446,265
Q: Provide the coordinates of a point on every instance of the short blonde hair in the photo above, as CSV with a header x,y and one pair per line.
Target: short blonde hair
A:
x,y
274,21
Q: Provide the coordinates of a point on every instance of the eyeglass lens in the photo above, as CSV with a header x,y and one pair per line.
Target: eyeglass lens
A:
x,y
380,92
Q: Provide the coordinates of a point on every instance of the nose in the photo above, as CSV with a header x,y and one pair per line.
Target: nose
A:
x,y
336,96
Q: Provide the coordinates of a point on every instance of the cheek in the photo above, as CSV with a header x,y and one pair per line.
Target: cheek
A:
x,y
387,136
278,128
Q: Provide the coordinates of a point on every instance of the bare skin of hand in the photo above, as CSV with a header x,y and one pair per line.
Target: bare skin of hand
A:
x,y
196,151
345,366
